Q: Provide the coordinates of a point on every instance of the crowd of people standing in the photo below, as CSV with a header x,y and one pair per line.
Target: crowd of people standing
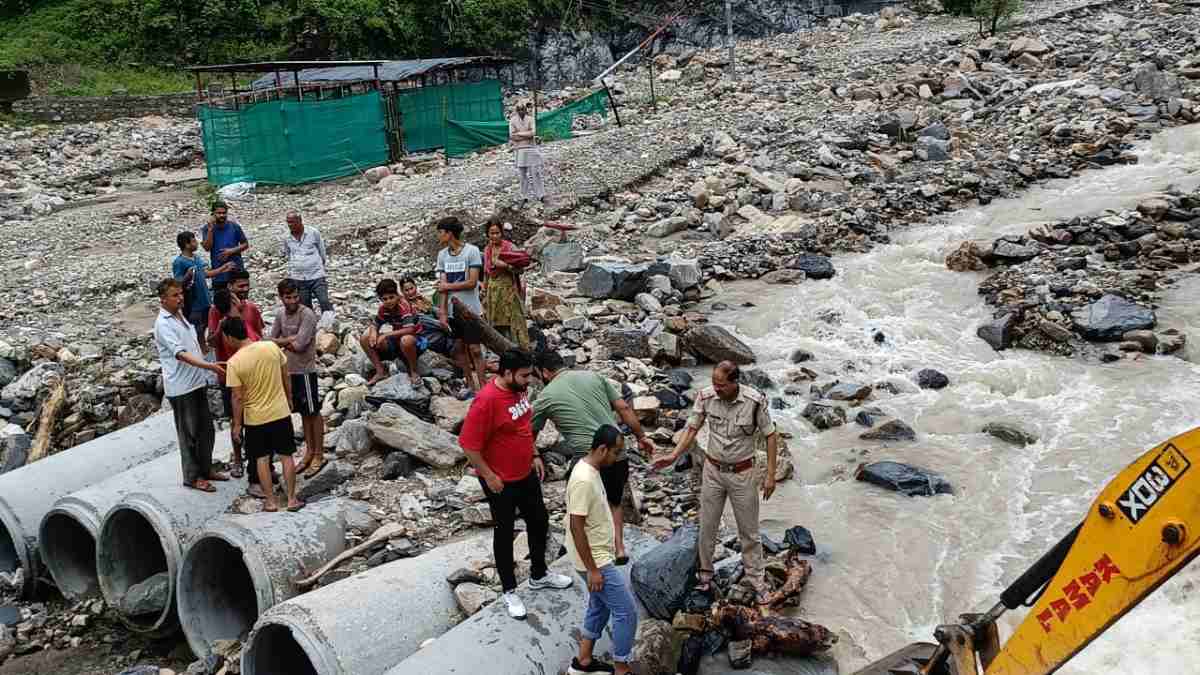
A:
x,y
217,337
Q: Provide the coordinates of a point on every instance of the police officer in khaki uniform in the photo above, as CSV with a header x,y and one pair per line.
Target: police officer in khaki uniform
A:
x,y
737,418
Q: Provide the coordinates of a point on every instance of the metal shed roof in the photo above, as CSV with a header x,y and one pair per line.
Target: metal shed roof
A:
x,y
389,71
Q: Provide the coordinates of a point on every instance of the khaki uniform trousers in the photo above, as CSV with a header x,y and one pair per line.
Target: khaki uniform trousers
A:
x,y
742,493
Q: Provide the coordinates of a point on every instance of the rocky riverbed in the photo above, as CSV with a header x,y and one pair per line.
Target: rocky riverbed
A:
x,y
826,142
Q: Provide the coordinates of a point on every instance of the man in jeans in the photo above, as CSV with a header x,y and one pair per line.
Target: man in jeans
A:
x,y
498,441
305,252
189,269
185,376
579,402
590,543
225,242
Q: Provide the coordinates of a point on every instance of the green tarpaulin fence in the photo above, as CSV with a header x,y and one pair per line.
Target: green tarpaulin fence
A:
x,y
424,111
292,142
464,137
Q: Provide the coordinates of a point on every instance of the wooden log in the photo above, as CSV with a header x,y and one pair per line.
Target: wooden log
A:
x,y
773,634
492,339
46,422
382,534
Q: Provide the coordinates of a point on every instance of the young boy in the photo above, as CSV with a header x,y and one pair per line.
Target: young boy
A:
x,y
590,524
459,267
189,269
294,331
400,338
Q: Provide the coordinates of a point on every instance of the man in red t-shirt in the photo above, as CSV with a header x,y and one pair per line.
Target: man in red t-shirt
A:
x,y
234,300
497,436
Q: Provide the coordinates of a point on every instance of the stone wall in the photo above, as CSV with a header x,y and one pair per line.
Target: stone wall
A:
x,y
98,108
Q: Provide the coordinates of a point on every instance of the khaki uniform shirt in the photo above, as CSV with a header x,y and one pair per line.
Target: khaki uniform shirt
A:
x,y
733,427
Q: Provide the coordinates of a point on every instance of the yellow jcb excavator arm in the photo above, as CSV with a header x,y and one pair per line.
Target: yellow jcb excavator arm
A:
x,y
1143,527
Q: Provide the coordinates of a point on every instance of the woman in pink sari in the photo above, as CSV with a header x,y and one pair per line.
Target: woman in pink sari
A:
x,y
504,299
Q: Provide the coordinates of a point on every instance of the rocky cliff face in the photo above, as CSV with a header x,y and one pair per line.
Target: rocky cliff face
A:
x,y
564,57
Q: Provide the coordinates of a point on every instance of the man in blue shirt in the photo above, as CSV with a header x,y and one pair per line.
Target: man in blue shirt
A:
x,y
190,271
224,241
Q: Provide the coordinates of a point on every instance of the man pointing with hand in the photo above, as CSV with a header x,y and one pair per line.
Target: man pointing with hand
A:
x,y
737,418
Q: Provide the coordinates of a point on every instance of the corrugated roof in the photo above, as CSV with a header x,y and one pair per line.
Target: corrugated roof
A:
x,y
389,71
272,66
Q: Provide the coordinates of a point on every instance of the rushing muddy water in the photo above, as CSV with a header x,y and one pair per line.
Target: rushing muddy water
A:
x,y
894,567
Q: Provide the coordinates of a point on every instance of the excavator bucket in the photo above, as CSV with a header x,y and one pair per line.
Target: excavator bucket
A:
x,y
906,661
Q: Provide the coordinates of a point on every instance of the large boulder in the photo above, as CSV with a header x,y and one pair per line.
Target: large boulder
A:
x,y
622,342
663,576
1110,317
824,416
14,447
814,266
684,273
354,439
904,478
617,280
998,331
893,430
1009,433
329,477
564,257
148,596
716,344
397,428
400,388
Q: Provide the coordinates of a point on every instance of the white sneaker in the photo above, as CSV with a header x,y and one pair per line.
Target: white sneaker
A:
x,y
516,608
551,580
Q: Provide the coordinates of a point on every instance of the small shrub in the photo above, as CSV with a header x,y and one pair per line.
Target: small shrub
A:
x,y
994,16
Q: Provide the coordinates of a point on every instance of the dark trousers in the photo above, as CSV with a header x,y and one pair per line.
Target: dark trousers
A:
x,y
194,427
315,288
523,496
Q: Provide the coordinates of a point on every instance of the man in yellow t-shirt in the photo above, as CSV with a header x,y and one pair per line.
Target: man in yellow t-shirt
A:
x,y
257,376
590,522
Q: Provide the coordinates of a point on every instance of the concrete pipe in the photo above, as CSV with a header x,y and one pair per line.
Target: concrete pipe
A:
x,y
241,566
67,536
367,623
28,493
145,534
544,643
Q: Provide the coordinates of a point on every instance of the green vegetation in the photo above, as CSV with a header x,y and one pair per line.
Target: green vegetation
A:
x,y
994,16
94,46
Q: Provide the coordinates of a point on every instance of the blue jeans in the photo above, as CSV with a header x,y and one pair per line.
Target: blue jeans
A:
x,y
613,600
315,287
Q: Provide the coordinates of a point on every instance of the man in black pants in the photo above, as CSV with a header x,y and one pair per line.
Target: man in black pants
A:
x,y
498,440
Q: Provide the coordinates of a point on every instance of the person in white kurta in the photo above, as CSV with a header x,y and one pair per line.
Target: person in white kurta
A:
x,y
522,132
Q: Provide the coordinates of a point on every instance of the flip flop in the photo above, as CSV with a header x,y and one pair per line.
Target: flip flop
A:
x,y
274,510
201,485
315,468
297,507
303,466
237,471
218,476
703,586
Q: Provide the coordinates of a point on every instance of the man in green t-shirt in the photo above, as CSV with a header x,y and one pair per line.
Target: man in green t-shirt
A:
x,y
579,402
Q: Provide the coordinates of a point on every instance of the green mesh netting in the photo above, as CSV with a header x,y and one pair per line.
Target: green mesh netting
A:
x,y
464,137
424,111
292,142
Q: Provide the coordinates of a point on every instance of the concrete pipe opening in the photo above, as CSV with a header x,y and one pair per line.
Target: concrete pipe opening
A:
x,y
9,560
217,596
69,553
132,554
275,651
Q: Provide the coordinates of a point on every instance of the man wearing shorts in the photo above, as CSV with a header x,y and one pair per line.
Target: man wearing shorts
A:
x,y
258,378
459,266
579,402
294,331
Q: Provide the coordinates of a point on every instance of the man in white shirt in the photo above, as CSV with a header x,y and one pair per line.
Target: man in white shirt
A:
x,y
522,133
185,377
305,252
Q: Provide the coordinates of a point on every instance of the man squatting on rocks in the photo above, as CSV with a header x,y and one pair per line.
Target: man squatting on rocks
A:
x,y
737,418
295,332
591,531
497,437
578,402
185,379
262,402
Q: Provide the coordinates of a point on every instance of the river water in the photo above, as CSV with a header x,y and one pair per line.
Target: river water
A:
x,y
894,567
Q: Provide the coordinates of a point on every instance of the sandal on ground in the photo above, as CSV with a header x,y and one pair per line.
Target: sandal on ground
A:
x,y
267,509
703,586
237,471
297,507
303,466
315,468
218,476
201,485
